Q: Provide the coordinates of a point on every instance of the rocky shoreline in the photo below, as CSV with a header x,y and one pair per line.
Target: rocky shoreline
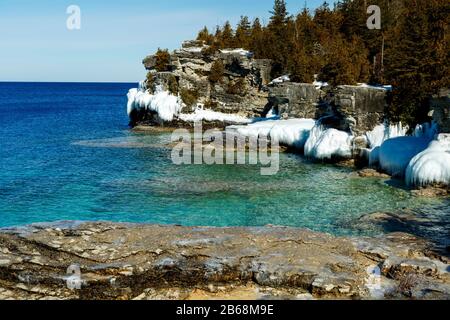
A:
x,y
125,261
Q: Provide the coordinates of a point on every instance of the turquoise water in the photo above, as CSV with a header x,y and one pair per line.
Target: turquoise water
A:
x,y
67,154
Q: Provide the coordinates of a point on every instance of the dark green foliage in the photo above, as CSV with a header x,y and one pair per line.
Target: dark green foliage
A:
x,y
417,59
217,71
162,60
237,87
205,36
210,105
189,97
173,86
411,51
150,80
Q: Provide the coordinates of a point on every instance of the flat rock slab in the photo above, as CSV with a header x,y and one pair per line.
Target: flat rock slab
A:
x,y
73,260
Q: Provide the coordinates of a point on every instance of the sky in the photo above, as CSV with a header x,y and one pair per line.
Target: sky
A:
x,y
36,45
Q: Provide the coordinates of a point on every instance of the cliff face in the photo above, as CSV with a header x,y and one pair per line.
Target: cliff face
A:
x,y
441,110
244,87
240,87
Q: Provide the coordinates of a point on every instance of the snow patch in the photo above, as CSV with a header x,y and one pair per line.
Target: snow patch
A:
x,y
292,132
285,78
209,115
324,144
378,87
239,51
320,84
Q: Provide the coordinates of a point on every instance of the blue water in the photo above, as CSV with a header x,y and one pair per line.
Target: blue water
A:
x,y
67,154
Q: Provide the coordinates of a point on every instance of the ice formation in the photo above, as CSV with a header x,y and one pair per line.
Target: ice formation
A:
x,y
324,144
292,132
162,102
395,154
209,115
427,130
392,150
379,135
384,132
272,114
432,165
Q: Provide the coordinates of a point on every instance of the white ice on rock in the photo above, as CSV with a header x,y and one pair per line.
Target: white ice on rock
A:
x,y
238,51
292,132
324,144
209,115
162,102
395,154
320,84
285,78
379,135
432,165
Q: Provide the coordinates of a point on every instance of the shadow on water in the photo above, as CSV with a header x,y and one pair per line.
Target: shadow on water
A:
x,y
398,184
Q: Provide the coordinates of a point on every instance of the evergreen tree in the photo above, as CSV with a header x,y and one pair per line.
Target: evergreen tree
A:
x,y
227,36
243,33
257,45
279,13
417,62
205,36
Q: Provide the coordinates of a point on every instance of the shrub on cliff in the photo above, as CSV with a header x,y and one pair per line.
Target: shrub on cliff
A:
x,y
162,62
173,85
217,71
210,105
237,87
205,36
150,81
189,97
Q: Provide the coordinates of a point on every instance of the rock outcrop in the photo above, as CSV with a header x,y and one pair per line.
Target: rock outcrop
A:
x,y
123,261
296,100
243,86
358,109
239,88
441,110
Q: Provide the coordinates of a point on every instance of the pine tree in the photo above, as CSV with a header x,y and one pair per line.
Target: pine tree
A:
x,y
227,36
279,13
205,36
257,45
278,38
243,33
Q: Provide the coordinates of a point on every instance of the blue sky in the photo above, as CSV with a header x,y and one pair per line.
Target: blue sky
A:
x,y
115,36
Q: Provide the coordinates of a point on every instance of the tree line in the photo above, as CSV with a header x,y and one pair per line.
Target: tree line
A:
x,y
411,51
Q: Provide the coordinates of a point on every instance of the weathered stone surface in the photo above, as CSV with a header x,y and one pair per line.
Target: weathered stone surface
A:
x,y
295,100
122,261
441,110
371,173
360,109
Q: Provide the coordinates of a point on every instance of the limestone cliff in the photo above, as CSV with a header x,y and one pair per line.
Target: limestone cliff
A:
x,y
244,86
